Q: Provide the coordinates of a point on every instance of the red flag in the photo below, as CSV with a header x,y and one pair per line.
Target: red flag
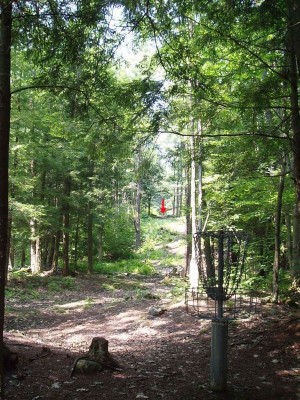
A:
x,y
162,207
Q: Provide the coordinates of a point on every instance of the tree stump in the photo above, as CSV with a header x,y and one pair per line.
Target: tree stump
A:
x,y
96,359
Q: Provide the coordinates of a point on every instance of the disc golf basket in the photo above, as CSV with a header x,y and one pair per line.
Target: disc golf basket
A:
x,y
220,257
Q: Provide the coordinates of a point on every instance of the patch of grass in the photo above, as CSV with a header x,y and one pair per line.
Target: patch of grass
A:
x,y
158,232
57,284
25,286
88,303
109,287
177,286
133,266
22,293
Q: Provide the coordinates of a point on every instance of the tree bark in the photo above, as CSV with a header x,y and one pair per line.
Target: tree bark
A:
x,y
9,250
100,243
5,68
90,221
149,205
23,257
90,238
289,242
188,221
66,225
193,272
276,264
293,49
35,250
76,240
137,219
56,251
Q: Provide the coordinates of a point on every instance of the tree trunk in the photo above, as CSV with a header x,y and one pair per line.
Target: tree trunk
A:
x,y
5,67
200,183
56,251
90,221
35,251
90,239
9,250
76,243
66,225
289,242
51,253
276,264
293,49
23,257
149,205
32,246
44,252
193,272
137,219
100,243
188,221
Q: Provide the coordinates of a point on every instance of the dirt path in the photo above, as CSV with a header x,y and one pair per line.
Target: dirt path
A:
x,y
163,357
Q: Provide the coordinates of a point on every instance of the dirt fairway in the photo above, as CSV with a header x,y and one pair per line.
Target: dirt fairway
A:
x,y
162,357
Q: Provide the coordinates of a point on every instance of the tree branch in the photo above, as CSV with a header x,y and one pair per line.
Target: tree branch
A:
x,y
252,134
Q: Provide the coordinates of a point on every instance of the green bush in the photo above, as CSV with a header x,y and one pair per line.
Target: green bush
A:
x,y
119,236
57,284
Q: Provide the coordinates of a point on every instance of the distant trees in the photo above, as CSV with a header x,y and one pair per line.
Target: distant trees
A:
x,y
237,63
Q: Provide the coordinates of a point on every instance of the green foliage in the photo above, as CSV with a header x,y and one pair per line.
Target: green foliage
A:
x,y
131,266
157,231
119,236
262,285
59,284
24,285
177,287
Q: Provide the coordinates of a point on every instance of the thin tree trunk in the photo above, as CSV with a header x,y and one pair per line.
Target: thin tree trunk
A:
x,y
200,183
276,264
46,247
289,242
35,253
32,246
90,220
137,219
149,205
56,251
66,225
5,68
100,244
90,239
51,252
9,250
193,273
76,243
188,221
23,257
293,49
